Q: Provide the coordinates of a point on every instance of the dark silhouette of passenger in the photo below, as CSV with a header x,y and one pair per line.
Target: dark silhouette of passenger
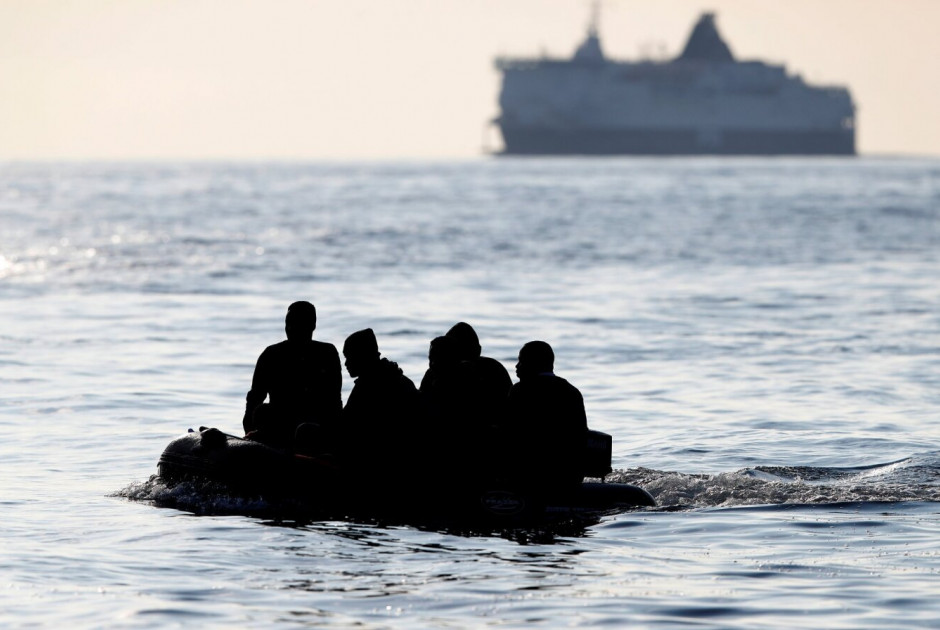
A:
x,y
456,431
302,379
493,377
443,387
466,396
383,414
487,381
546,422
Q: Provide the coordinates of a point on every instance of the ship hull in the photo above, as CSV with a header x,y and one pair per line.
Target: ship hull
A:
x,y
522,140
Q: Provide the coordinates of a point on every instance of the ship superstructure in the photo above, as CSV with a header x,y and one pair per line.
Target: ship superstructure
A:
x,y
702,102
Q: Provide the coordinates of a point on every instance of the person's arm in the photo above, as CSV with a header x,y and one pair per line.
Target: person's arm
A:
x,y
334,387
580,415
257,393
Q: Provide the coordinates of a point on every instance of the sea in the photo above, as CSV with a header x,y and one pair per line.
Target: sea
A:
x,y
760,337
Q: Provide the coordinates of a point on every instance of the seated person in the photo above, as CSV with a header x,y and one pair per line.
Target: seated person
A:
x,y
458,437
486,380
382,416
546,423
440,385
300,376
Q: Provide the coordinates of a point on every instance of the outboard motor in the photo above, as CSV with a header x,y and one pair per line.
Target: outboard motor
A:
x,y
598,450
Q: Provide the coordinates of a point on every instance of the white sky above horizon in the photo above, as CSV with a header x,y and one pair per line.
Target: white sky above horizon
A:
x,y
387,79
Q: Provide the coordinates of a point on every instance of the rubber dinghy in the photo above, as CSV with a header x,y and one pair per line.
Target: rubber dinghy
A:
x,y
248,467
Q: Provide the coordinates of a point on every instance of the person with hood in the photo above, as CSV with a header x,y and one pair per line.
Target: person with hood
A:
x,y
466,396
383,416
458,436
444,383
484,380
300,377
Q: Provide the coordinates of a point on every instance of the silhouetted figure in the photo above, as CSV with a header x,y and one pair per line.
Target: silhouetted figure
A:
x,y
301,377
487,379
382,417
546,422
467,394
457,431
441,385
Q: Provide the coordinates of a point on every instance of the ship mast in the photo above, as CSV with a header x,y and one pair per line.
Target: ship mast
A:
x,y
595,18
590,50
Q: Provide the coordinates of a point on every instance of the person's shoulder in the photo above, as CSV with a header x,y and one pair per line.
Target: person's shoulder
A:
x,y
566,385
521,387
275,348
492,365
322,351
491,362
391,374
563,382
551,381
407,383
324,347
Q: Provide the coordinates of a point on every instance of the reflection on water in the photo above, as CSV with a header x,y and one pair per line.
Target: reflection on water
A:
x,y
209,498
759,336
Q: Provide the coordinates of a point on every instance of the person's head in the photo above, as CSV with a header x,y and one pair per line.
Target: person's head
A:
x,y
361,350
535,357
442,354
468,344
301,321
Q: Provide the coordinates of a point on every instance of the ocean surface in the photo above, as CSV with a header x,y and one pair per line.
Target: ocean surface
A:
x,y
761,337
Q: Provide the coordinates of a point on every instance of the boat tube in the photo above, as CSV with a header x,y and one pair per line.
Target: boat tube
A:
x,y
245,466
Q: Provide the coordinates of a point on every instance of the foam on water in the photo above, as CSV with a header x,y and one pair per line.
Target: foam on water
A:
x,y
912,479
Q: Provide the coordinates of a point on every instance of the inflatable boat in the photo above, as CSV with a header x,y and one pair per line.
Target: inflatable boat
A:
x,y
247,467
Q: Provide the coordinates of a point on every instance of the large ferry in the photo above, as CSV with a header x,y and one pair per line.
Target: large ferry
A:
x,y
702,102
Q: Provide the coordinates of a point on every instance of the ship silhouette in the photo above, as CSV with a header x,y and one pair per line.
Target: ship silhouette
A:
x,y
702,102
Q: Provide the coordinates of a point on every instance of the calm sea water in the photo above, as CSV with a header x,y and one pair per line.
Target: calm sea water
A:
x,y
761,338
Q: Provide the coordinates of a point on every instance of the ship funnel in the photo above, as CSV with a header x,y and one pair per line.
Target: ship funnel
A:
x,y
705,43
590,50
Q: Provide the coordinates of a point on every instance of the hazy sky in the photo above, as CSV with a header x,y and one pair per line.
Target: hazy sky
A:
x,y
383,79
